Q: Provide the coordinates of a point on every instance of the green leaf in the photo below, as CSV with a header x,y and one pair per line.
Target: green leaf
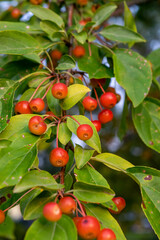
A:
x,y
121,34
87,64
75,93
113,161
36,178
106,219
135,76
7,89
28,198
28,93
82,156
34,208
46,14
7,229
64,134
66,62
68,181
94,141
42,229
20,155
94,194
129,19
90,176
53,104
149,180
4,143
15,42
146,118
155,60
19,26
34,81
80,37
103,13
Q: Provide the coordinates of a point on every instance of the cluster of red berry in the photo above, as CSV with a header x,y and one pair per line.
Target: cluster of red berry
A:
x,y
88,227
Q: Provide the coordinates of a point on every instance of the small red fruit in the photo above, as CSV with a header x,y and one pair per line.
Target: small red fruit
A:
x,y
79,51
106,234
59,90
37,105
37,125
76,220
108,100
56,54
84,21
118,97
105,116
88,227
120,203
52,212
2,216
97,125
84,132
82,2
89,103
59,157
67,205
16,13
36,2
22,108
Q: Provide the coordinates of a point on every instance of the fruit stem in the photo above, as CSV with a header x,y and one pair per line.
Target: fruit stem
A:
x,y
48,88
38,88
19,199
89,49
80,205
101,88
90,165
91,116
97,99
57,133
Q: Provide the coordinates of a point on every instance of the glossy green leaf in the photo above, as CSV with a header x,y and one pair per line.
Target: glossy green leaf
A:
x,y
146,118
42,229
7,229
4,143
154,58
94,141
28,93
94,194
90,176
80,37
36,178
53,104
87,64
34,81
106,219
149,180
64,134
28,198
19,26
20,155
113,161
34,208
75,93
129,19
15,42
82,156
121,34
135,76
111,205
49,27
66,62
7,89
103,13
46,14
68,181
